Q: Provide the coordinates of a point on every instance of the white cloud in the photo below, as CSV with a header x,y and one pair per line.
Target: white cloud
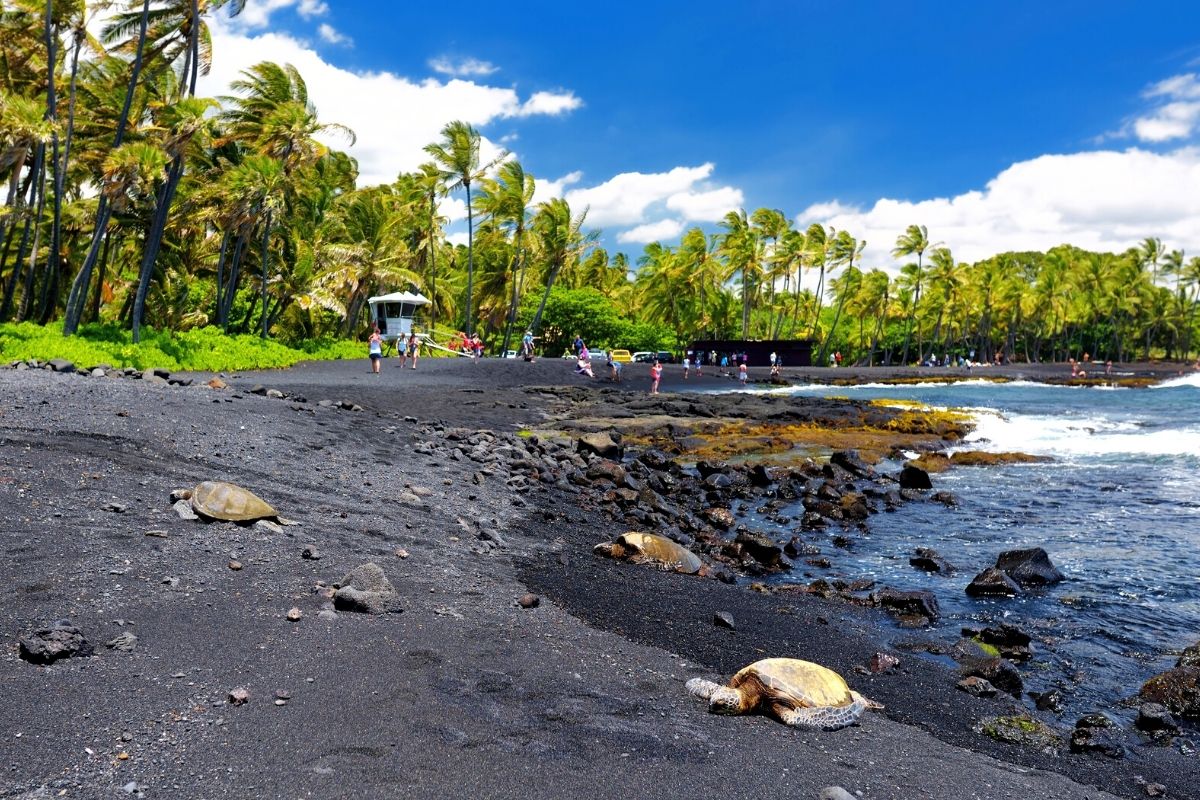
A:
x,y
625,198
333,35
462,68
257,13
706,206
1102,200
458,238
393,116
550,103
544,190
651,232
1178,117
452,208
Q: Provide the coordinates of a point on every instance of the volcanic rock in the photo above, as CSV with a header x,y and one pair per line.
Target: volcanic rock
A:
x,y
47,645
1190,657
600,443
1011,641
992,583
976,686
914,478
928,559
852,462
366,589
919,603
996,671
1177,689
1094,733
723,619
61,365
1155,717
1029,567
762,549
123,642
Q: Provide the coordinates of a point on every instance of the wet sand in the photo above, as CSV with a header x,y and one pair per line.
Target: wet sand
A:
x,y
464,692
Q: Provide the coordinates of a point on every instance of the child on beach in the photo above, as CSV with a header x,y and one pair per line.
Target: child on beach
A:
x,y
687,365
742,373
655,376
375,349
614,368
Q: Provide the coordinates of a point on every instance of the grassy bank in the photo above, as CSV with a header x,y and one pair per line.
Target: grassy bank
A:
x,y
200,349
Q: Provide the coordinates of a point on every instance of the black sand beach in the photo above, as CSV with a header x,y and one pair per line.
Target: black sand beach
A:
x,y
464,692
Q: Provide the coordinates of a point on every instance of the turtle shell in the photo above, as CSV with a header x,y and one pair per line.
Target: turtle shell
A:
x,y
792,682
229,501
657,548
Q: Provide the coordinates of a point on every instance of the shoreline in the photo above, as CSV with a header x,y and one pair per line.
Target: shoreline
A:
x,y
590,678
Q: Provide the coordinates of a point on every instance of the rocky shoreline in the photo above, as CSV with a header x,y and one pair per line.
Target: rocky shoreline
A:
x,y
470,489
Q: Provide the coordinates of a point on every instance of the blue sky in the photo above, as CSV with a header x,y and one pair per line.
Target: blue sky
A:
x,y
825,111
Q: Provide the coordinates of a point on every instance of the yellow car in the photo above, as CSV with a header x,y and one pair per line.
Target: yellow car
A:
x,y
622,355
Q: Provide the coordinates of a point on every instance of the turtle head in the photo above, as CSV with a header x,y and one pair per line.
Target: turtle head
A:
x,y
609,550
726,700
181,494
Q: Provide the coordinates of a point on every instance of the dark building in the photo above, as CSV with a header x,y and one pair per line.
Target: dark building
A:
x,y
791,352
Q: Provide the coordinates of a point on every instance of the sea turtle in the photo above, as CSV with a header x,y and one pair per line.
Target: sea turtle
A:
x,y
226,501
797,693
650,548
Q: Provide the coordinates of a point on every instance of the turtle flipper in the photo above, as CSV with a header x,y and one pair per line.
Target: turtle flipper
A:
x,y
821,718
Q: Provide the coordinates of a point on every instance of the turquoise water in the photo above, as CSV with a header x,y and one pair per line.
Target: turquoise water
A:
x,y
1117,508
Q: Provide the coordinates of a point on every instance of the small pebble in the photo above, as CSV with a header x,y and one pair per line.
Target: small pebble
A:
x,y
401,552
529,600
294,614
239,696
235,565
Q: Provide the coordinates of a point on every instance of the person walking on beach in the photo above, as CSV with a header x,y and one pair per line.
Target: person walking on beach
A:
x,y
577,346
476,348
742,372
687,365
375,349
414,345
655,376
401,351
527,346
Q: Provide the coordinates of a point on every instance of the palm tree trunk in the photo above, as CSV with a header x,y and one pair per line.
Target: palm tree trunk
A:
x,y
266,238
27,294
432,264
239,250
99,295
79,289
470,259
537,318
50,284
512,307
221,271
153,241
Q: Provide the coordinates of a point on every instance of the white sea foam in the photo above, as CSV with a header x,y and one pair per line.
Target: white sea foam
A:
x,y
1077,436
1192,381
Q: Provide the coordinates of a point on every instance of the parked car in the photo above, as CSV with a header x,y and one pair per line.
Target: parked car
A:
x,y
597,355
643,357
664,357
622,355
510,353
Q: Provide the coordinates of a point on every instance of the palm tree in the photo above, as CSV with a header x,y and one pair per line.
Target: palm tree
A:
x,y
562,240
844,250
914,241
458,157
741,247
507,199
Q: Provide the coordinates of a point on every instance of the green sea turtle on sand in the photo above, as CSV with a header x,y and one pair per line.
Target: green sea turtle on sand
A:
x,y
650,548
797,693
225,501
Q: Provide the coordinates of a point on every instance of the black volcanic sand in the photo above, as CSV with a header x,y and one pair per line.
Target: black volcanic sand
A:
x,y
462,693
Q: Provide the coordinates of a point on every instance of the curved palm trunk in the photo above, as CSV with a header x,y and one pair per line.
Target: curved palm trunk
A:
x,y
266,238
833,327
27,294
79,289
518,278
153,241
537,317
470,260
34,193
432,265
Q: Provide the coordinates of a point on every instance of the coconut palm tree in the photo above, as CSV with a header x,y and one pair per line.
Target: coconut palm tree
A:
x,y
507,199
914,241
457,155
741,247
562,241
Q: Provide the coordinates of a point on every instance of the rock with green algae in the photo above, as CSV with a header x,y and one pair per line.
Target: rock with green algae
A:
x,y
1020,729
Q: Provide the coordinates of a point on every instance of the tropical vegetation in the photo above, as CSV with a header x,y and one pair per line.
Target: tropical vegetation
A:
x,y
130,204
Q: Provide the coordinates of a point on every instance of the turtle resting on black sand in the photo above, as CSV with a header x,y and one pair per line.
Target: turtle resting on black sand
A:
x,y
225,501
797,693
650,548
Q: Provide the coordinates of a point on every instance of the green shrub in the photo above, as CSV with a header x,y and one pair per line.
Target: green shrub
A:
x,y
199,349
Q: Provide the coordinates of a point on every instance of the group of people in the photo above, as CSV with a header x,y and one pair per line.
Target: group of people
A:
x,y
406,348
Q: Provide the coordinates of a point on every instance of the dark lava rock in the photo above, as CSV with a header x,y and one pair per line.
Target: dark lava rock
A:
x,y
1049,700
1094,733
912,477
718,480
920,603
945,498
761,476
706,468
606,469
1029,567
366,589
1177,689
928,559
1155,717
61,640
601,443
761,549
854,507
1022,730
723,619
850,461
882,662
719,517
977,686
61,365
529,600
992,583
795,547
124,642
996,671
1011,641
1190,657
812,521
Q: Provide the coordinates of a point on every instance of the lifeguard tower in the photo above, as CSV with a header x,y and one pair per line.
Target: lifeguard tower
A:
x,y
393,313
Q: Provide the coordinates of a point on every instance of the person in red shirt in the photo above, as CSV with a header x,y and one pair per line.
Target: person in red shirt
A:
x,y
655,376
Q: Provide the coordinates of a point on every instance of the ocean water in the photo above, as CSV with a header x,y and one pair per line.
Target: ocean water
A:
x,y
1117,508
